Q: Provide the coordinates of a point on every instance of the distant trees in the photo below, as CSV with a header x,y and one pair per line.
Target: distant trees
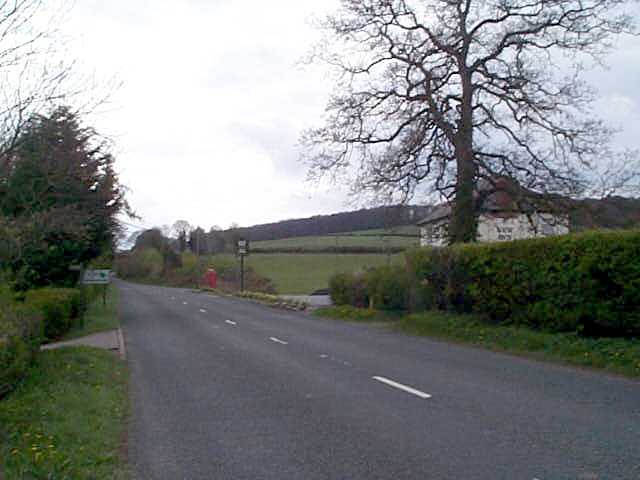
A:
x,y
181,230
152,238
59,199
440,95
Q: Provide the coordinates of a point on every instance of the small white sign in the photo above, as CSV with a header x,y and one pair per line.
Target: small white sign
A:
x,y
96,277
243,247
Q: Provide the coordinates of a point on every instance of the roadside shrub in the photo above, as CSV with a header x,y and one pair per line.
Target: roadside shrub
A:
x,y
387,288
145,263
59,308
439,279
348,289
587,283
20,338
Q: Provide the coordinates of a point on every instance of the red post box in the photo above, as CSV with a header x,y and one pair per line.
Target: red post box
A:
x,y
212,278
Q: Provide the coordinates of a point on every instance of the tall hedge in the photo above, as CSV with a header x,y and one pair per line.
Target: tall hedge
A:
x,y
348,289
60,309
387,287
20,338
587,283
384,288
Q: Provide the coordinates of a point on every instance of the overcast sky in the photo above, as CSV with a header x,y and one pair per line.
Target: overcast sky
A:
x,y
213,100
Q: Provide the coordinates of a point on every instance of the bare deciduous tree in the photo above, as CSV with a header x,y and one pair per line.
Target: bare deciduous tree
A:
x,y
437,95
36,72
181,227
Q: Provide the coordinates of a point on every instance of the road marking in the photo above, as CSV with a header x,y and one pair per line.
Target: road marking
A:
x,y
324,355
230,322
202,310
277,340
185,303
405,388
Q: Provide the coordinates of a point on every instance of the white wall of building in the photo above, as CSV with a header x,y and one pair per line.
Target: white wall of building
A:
x,y
504,228
500,228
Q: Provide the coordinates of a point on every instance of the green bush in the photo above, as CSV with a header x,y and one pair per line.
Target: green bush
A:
x,y
59,307
348,289
144,263
387,288
587,283
20,337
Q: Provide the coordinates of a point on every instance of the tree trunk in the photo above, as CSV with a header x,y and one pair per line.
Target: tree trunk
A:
x,y
463,225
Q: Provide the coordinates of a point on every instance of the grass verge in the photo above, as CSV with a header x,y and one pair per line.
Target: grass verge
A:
x,y
353,314
616,355
273,300
99,317
66,419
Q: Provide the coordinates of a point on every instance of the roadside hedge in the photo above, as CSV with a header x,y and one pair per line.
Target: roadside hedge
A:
x,y
587,283
383,288
20,338
387,288
348,289
60,309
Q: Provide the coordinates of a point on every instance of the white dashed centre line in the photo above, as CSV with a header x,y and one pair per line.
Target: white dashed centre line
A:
x,y
402,387
185,303
230,322
202,310
277,340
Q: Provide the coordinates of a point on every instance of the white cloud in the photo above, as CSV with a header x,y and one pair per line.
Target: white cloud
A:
x,y
212,103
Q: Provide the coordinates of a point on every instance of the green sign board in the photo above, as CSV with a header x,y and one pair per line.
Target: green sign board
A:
x,y
96,277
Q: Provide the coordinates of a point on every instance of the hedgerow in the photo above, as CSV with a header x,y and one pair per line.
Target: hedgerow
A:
x,y
20,338
60,309
348,289
587,283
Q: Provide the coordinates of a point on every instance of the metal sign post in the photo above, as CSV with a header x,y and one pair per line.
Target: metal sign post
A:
x,y
242,251
98,277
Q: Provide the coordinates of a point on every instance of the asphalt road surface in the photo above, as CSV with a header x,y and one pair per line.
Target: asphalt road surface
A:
x,y
227,389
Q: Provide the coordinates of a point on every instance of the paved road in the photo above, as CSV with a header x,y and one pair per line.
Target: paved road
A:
x,y
227,389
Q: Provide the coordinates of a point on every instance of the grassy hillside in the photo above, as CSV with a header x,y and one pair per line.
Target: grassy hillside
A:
x,y
304,273
407,236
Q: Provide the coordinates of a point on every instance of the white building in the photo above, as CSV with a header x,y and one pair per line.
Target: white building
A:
x,y
499,220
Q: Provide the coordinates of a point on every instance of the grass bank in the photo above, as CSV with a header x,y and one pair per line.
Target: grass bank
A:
x,y
67,418
353,314
615,355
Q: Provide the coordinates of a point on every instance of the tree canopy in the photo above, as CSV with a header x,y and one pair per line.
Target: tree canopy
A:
x,y
435,96
59,198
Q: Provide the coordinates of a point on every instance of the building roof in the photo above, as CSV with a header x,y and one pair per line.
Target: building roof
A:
x,y
439,212
500,196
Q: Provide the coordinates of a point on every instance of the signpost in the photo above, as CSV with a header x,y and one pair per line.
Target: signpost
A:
x,y
242,251
98,277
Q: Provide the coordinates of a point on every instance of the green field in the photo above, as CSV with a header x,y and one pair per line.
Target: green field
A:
x,y
306,272
380,238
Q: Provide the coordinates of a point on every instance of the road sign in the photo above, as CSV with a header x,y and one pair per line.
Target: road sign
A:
x,y
243,247
242,251
96,277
